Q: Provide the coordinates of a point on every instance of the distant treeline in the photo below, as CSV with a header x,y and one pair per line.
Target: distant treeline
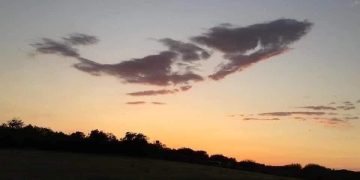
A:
x,y
15,134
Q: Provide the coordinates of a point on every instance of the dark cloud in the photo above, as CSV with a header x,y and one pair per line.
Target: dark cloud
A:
x,y
81,39
260,119
319,108
185,88
152,69
279,33
64,48
89,66
177,66
136,102
158,103
240,62
49,46
271,38
310,113
188,51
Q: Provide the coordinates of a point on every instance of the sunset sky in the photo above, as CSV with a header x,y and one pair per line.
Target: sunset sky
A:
x,y
274,81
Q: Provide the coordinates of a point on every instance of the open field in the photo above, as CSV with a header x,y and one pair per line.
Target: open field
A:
x,y
21,164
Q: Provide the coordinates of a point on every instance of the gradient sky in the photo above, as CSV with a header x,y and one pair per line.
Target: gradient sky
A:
x,y
321,70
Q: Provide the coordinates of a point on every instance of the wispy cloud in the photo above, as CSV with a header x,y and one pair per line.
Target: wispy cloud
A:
x,y
158,103
300,118
308,113
352,118
185,88
320,114
144,102
260,119
159,92
152,92
319,108
64,47
80,39
346,108
331,121
135,102
49,46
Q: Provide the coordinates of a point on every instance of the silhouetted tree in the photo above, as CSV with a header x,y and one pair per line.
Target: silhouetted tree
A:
x,y
15,123
77,135
98,136
221,160
159,145
137,138
314,171
251,165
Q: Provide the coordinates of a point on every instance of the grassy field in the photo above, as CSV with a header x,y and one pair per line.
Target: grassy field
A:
x,y
21,164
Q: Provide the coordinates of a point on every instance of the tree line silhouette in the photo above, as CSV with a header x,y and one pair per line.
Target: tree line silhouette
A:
x,y
15,134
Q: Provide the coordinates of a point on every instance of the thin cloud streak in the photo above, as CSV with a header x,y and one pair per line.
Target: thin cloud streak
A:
x,y
260,119
331,121
49,46
346,108
308,113
159,92
81,39
321,114
152,92
135,102
319,108
352,118
158,103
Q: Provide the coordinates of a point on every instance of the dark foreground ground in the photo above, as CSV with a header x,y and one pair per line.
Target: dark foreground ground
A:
x,y
22,164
